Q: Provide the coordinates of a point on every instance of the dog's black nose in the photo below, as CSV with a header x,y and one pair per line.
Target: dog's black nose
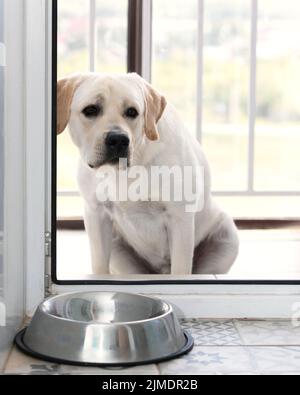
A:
x,y
117,142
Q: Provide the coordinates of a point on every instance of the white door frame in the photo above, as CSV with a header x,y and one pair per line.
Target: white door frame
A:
x,y
209,301
12,297
37,129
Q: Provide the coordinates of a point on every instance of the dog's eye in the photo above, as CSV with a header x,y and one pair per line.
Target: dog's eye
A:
x,y
91,111
131,113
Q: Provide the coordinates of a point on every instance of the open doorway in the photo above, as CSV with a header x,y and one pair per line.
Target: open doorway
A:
x,y
234,86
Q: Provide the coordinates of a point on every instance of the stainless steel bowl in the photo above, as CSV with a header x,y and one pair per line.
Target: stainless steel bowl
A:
x,y
104,329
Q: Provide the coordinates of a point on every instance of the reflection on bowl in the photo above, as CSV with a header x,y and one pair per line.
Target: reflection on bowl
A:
x,y
104,329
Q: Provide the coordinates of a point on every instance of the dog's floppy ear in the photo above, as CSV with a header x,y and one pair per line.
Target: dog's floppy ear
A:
x,y
155,105
66,88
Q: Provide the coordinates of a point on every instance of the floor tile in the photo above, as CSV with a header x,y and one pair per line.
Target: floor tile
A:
x,y
276,359
137,370
20,364
266,333
212,333
210,359
270,348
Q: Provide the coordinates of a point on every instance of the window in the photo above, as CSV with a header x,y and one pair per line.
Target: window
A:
x,y
221,65
231,69
233,95
278,103
92,36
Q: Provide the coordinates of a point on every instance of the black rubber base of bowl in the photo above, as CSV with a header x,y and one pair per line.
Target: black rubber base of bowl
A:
x,y
19,341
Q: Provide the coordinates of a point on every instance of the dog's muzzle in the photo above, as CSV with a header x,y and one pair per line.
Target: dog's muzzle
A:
x,y
117,146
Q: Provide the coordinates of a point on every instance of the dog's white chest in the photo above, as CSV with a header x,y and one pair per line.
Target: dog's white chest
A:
x,y
143,226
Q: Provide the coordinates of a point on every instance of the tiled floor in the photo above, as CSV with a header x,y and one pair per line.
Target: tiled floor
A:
x,y
221,348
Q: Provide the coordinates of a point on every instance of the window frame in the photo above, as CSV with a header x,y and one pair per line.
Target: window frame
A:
x,y
137,13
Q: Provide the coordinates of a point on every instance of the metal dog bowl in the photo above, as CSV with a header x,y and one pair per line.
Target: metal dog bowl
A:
x,y
104,329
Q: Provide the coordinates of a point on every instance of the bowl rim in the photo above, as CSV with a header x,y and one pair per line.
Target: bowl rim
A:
x,y
21,345
168,311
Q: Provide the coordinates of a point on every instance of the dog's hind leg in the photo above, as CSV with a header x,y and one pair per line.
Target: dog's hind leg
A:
x,y
218,252
124,261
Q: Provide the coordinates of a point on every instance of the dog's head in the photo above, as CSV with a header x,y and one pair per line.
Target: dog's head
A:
x,y
108,115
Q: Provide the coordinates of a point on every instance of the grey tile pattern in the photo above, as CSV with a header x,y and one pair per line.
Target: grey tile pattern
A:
x,y
221,348
210,359
20,364
213,333
266,333
276,359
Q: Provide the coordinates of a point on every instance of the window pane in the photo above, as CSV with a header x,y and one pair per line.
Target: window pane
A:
x,y
73,56
73,33
278,99
175,55
70,207
112,36
227,32
263,207
67,163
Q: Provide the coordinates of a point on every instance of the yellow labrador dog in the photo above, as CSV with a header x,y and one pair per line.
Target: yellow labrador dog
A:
x,y
121,116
